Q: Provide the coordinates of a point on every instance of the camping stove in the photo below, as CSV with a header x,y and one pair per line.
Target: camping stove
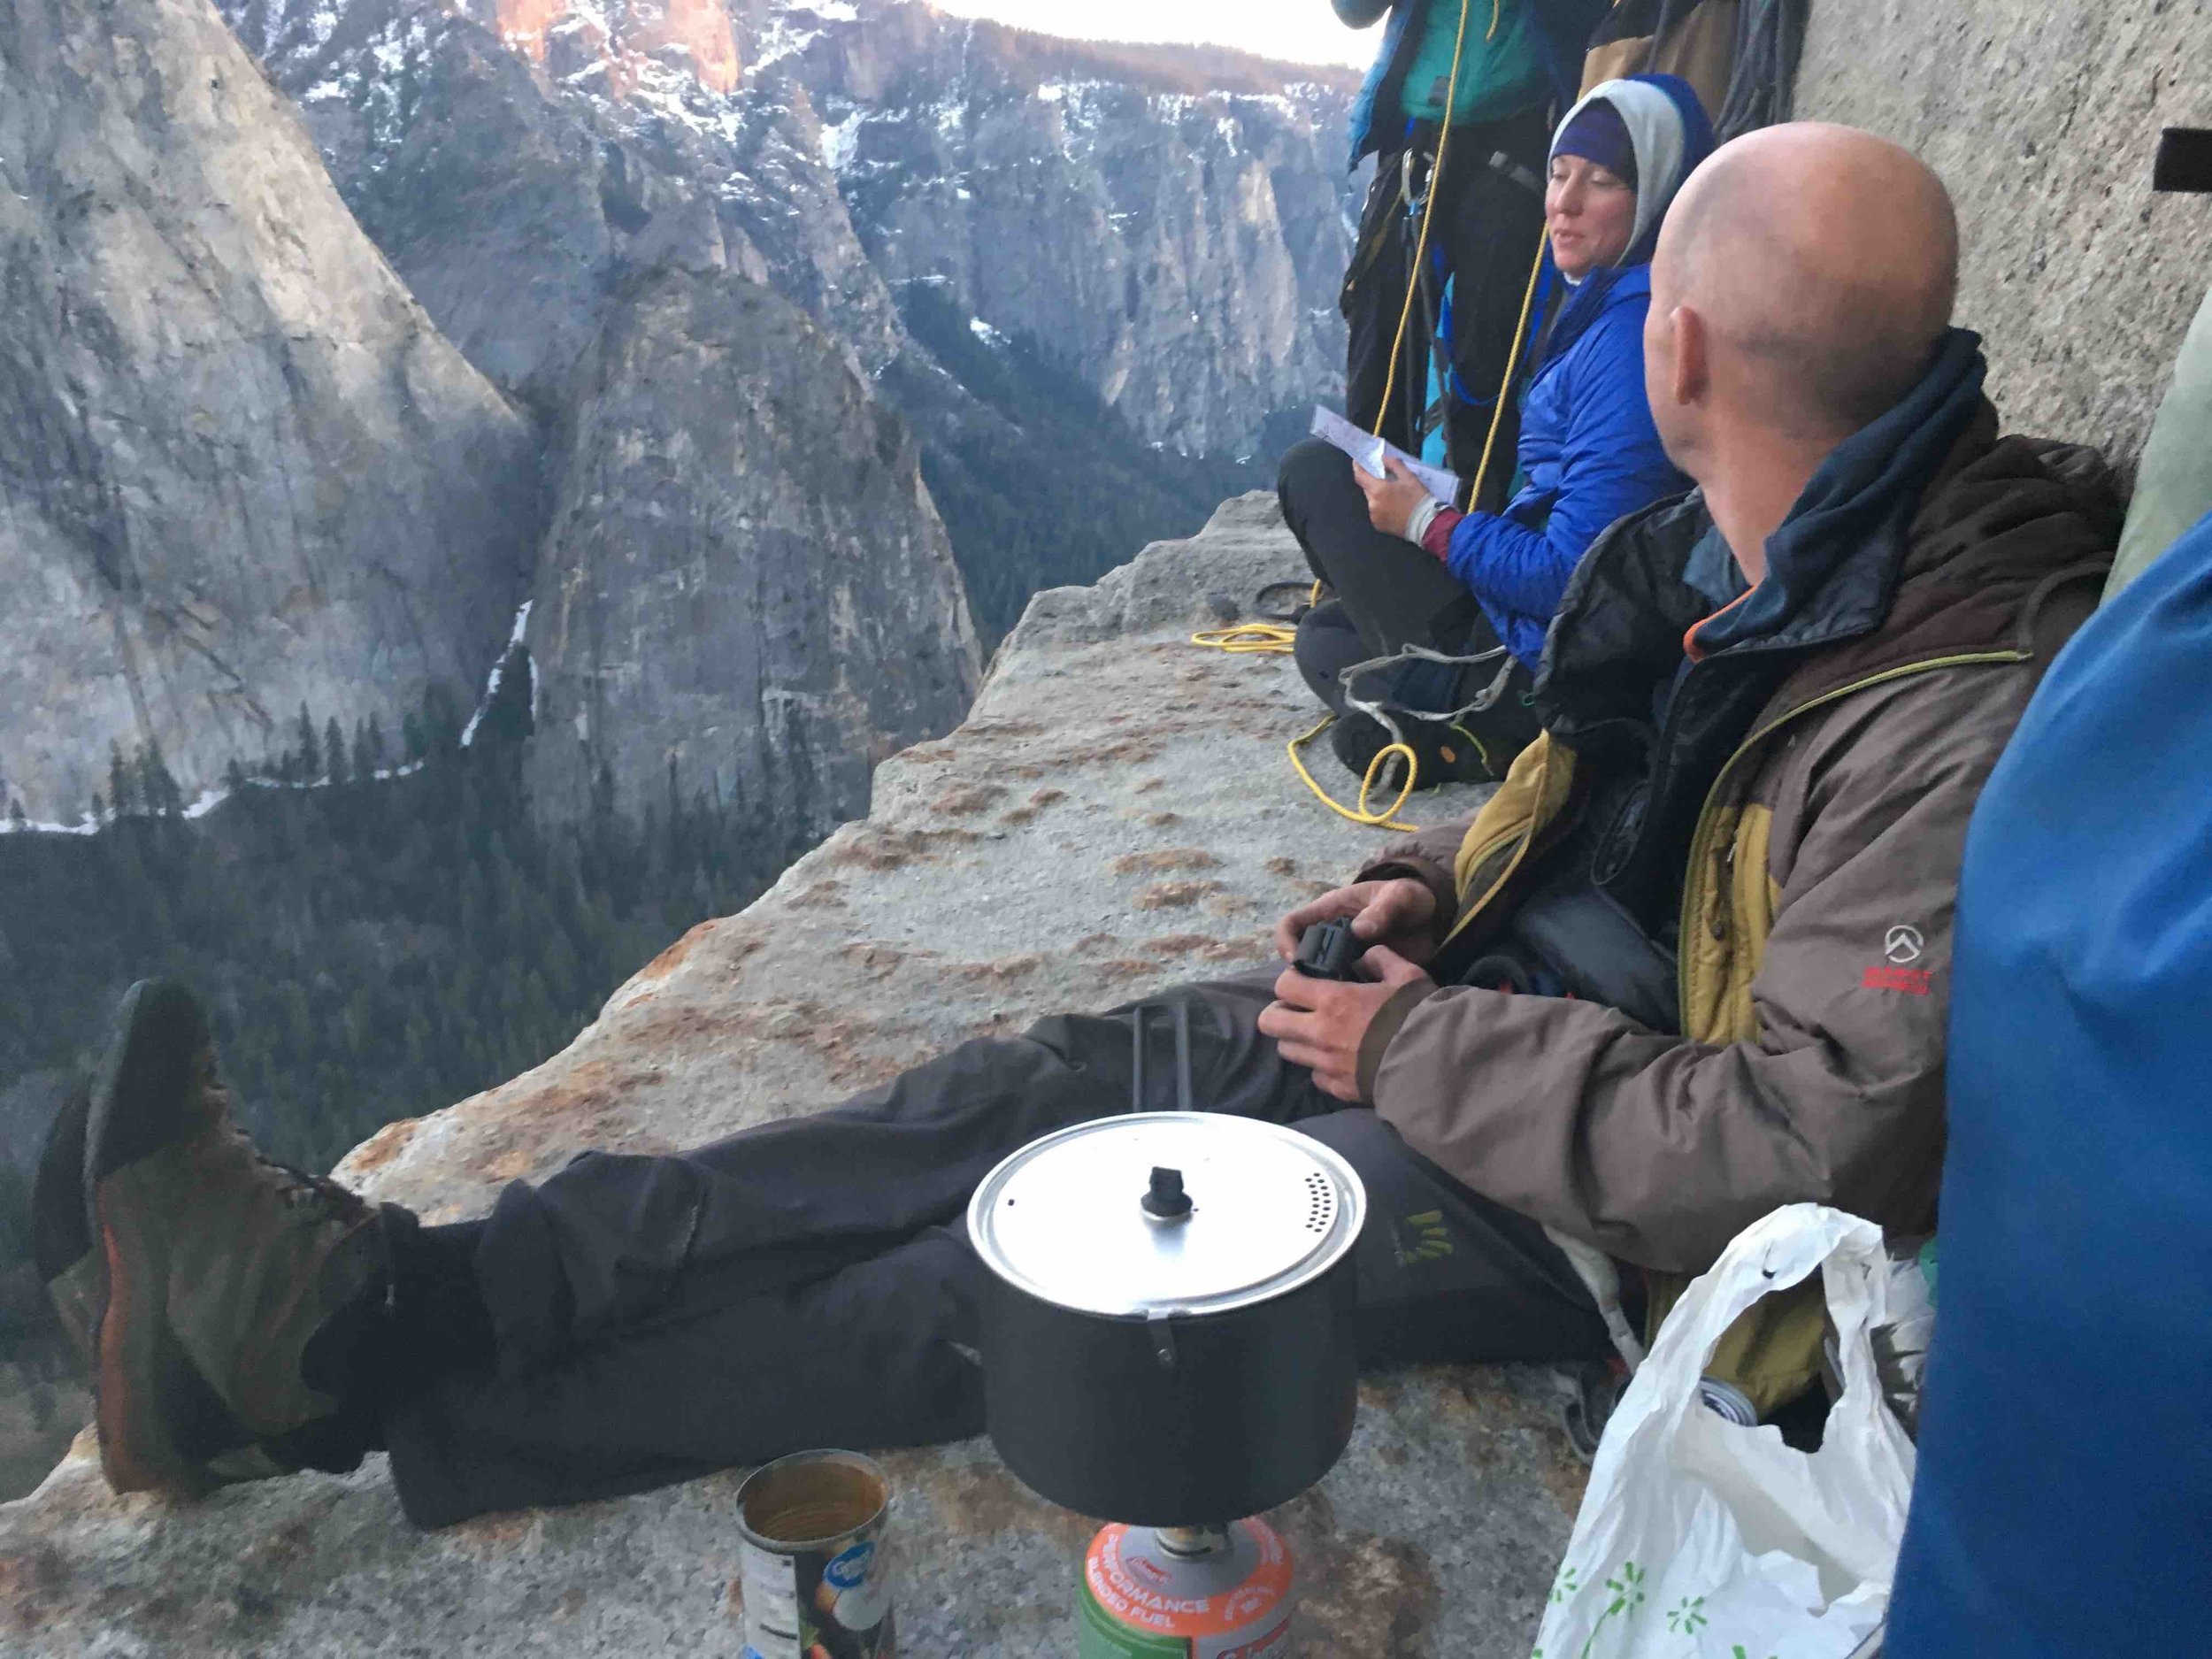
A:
x,y
1185,1593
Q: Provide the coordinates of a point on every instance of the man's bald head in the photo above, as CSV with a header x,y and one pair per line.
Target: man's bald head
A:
x,y
1821,264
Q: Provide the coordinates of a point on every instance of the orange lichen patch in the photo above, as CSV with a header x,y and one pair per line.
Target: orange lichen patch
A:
x,y
962,802
1359,1592
828,893
490,1535
515,1164
1228,904
1201,945
1145,786
878,847
1091,942
382,1146
1007,968
1175,896
1001,729
872,959
1128,968
672,959
1279,865
1164,859
1160,820
1029,810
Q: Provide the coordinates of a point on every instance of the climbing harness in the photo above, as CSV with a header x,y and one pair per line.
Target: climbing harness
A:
x,y
1276,636
1428,207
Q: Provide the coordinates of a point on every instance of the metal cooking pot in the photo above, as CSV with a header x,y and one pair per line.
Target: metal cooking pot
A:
x,y
1168,1316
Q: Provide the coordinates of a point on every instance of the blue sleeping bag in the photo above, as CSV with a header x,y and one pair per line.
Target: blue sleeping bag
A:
x,y
2063,1506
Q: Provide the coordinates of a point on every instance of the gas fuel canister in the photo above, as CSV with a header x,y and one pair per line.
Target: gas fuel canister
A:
x,y
1185,1593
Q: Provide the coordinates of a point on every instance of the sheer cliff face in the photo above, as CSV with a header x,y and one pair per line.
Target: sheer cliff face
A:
x,y
1174,228
1182,249
240,469
744,584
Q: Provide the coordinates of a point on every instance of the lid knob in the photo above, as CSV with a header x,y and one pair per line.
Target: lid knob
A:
x,y
1166,1199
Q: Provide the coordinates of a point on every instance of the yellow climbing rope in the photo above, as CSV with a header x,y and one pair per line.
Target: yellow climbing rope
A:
x,y
1512,360
1249,639
1387,818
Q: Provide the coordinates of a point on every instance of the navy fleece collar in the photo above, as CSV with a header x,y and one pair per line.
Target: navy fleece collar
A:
x,y
1833,565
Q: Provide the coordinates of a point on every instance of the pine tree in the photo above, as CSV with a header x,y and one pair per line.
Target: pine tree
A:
x,y
122,791
156,784
335,751
16,817
234,778
376,746
310,759
414,744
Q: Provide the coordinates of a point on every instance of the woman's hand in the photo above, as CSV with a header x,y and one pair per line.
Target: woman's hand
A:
x,y
1390,499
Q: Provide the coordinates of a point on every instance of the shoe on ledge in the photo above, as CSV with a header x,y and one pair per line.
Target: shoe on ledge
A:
x,y
219,1265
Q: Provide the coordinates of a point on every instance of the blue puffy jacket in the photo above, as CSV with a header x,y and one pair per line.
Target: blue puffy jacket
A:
x,y
1589,453
2064,1502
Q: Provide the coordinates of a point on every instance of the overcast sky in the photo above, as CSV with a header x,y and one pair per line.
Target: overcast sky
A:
x,y
1305,31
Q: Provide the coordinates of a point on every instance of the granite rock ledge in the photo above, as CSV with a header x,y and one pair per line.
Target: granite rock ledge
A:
x,y
1113,816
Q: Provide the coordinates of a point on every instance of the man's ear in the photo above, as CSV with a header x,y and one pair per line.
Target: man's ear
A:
x,y
1693,361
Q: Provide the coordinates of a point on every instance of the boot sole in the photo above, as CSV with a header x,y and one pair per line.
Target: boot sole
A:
x,y
138,1370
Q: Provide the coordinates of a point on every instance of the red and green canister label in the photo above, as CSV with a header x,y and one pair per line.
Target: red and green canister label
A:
x,y
1141,1600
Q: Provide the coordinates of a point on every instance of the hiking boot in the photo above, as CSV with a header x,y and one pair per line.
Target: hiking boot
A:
x,y
1443,754
221,1265
75,1273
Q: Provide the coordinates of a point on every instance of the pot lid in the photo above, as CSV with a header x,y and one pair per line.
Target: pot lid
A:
x,y
1166,1212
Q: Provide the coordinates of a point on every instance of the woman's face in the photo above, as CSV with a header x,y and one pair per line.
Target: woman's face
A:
x,y
1591,214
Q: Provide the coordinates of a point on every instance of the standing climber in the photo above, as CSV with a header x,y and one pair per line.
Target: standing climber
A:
x,y
1494,69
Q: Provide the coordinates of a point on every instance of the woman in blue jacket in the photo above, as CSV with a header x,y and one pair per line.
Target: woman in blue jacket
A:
x,y
1406,570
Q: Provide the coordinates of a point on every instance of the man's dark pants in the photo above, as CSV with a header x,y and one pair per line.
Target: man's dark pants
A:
x,y
809,1282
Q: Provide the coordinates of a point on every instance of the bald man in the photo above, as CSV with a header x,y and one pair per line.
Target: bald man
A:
x,y
1690,963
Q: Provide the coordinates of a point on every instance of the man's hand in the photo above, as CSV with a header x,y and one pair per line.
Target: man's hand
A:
x,y
1390,499
1320,1023
1397,913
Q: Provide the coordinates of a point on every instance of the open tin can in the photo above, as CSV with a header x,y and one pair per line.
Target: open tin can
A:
x,y
812,1565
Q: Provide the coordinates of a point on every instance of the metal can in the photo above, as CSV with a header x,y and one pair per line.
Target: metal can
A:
x,y
1185,1593
813,1564
1727,1401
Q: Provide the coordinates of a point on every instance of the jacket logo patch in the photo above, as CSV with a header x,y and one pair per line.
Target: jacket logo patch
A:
x,y
1914,982
1903,943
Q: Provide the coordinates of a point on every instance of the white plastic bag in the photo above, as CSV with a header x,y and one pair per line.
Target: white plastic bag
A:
x,y
1699,1538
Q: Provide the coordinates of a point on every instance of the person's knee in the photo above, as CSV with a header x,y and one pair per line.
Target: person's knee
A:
x,y
1308,467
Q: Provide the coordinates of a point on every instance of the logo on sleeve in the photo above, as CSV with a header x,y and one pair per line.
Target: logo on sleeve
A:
x,y
1902,945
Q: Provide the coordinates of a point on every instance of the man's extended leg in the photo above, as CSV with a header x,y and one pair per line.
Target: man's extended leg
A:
x,y
728,1369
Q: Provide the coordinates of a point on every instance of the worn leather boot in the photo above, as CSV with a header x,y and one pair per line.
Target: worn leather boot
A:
x,y
221,1265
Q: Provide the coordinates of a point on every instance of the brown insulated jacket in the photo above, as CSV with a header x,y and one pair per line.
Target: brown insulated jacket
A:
x,y
1815,899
